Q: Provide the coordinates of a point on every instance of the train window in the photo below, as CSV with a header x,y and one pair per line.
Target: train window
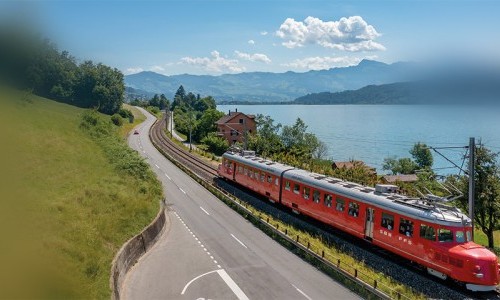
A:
x,y
245,171
256,175
296,188
353,209
269,179
427,232
328,200
287,185
316,196
387,221
307,192
445,235
276,181
340,204
262,177
406,227
468,234
250,173
240,169
459,237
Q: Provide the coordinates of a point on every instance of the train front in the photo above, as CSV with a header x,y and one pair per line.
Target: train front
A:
x,y
480,269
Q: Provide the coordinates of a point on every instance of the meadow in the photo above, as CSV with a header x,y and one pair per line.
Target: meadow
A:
x,y
67,202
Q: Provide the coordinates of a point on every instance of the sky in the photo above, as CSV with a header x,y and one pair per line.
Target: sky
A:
x,y
232,36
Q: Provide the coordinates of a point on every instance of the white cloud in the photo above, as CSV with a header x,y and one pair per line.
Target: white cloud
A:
x,y
263,33
253,57
251,42
133,70
321,63
157,69
347,34
215,63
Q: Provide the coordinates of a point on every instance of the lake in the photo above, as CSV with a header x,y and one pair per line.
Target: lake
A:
x,y
373,132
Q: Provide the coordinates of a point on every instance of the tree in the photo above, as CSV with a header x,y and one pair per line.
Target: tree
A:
x,y
400,166
486,193
266,140
206,124
422,156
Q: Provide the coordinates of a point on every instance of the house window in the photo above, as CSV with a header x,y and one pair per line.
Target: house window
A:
x,y
340,204
307,192
387,221
427,232
241,121
316,196
296,188
328,200
353,209
406,227
287,185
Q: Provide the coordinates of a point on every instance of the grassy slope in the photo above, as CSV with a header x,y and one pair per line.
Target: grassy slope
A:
x,y
77,209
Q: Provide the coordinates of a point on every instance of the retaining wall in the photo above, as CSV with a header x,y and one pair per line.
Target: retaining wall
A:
x,y
133,249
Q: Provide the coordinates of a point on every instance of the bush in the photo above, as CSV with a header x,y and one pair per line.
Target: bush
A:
x,y
117,120
215,144
126,114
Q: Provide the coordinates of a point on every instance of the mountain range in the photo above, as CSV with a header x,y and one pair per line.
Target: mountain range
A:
x,y
270,87
369,82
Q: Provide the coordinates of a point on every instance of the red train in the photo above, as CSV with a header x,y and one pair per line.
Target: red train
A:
x,y
432,234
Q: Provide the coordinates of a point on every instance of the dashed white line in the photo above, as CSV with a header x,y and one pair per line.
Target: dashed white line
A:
x,y
168,176
239,241
157,166
204,210
182,190
303,294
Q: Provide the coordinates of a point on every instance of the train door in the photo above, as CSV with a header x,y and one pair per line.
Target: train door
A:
x,y
370,215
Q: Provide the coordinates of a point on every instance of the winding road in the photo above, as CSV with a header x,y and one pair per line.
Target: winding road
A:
x,y
208,251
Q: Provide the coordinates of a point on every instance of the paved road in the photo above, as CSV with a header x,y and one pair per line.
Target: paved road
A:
x,y
210,252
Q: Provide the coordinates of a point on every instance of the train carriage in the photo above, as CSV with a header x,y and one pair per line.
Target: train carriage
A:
x,y
430,233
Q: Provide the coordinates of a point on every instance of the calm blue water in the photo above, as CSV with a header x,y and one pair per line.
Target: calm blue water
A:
x,y
373,132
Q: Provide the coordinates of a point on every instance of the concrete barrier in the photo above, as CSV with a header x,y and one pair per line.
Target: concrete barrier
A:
x,y
133,249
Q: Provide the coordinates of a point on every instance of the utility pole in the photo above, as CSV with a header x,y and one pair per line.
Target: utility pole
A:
x,y
190,130
472,151
171,123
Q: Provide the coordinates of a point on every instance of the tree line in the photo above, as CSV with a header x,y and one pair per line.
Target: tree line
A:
x,y
33,63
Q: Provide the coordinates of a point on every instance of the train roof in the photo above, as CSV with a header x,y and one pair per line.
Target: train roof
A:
x,y
423,209
251,160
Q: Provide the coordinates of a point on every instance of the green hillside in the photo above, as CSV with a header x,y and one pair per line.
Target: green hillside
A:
x,y
70,196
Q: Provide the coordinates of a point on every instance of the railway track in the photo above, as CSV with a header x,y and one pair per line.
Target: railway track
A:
x,y
202,168
396,268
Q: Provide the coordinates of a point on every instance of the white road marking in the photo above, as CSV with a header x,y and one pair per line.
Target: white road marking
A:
x,y
143,151
182,190
232,285
239,241
204,210
192,280
168,176
303,294
157,166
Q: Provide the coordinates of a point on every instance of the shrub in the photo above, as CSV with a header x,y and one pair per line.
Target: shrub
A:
x,y
215,144
126,114
117,120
